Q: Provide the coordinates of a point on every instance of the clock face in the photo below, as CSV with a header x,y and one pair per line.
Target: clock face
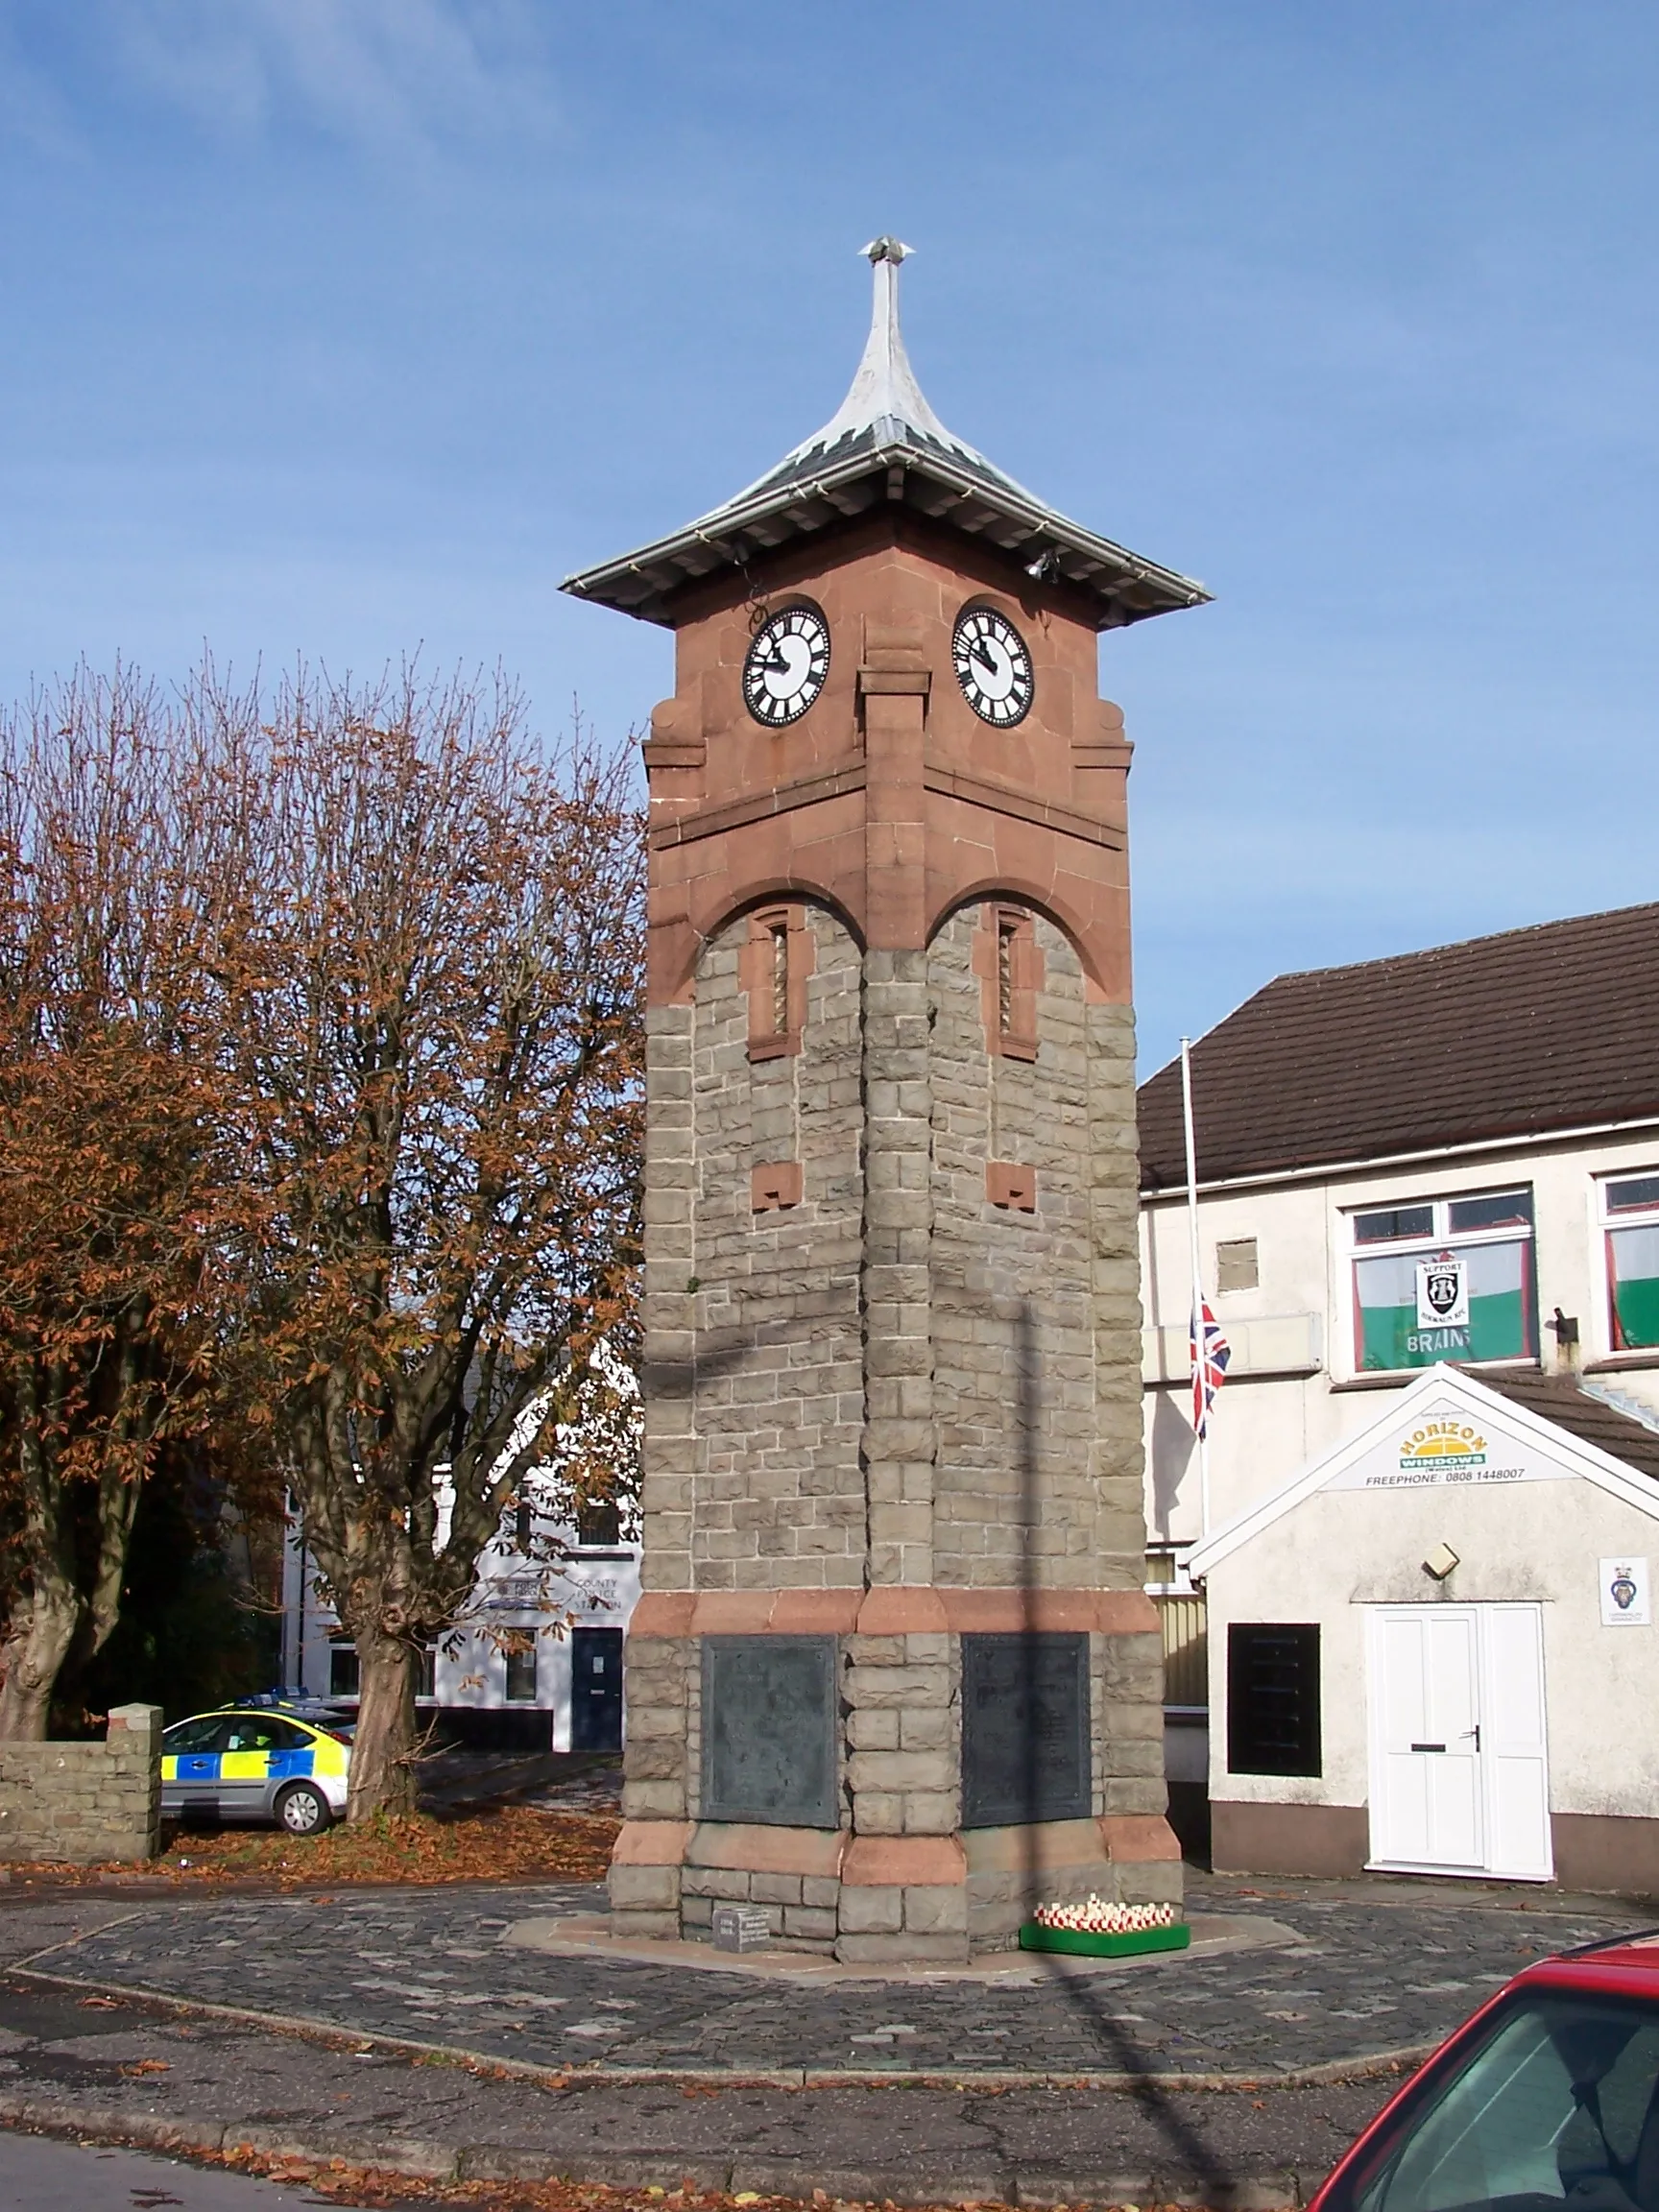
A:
x,y
786,666
993,667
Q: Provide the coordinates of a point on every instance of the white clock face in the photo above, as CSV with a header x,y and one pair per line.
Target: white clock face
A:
x,y
993,667
786,665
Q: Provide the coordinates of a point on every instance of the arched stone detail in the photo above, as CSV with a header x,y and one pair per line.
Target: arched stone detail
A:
x,y
678,942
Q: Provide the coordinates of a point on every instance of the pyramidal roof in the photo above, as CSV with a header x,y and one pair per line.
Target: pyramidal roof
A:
x,y
886,444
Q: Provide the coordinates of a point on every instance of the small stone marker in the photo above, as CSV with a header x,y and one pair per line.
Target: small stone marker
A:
x,y
740,1928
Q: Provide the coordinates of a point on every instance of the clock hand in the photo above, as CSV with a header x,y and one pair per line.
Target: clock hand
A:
x,y
986,658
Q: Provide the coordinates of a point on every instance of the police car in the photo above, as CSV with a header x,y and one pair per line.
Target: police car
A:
x,y
257,1762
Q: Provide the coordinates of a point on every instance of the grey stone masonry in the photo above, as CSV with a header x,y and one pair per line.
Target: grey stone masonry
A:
x,y
85,1803
893,1398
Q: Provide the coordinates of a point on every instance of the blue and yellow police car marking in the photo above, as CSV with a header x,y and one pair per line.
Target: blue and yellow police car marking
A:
x,y
323,1755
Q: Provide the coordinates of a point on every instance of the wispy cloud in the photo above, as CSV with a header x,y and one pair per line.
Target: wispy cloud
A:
x,y
400,78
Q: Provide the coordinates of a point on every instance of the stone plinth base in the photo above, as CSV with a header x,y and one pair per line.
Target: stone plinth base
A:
x,y
902,1877
867,1898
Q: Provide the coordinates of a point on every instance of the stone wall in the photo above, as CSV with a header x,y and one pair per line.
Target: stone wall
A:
x,y
892,1396
777,1493
85,1802
1014,1379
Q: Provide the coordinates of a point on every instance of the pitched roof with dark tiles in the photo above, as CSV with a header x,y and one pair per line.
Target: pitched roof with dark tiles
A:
x,y
1552,1027
1559,1398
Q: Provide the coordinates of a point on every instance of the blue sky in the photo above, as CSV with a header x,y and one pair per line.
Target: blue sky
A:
x,y
347,326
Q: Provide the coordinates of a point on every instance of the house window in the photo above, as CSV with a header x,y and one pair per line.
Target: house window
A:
x,y
345,1672
598,1522
522,1677
1273,1697
1235,1267
1631,1226
1451,1279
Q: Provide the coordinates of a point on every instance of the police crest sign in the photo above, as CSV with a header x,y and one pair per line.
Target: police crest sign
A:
x,y
1442,1291
1626,1599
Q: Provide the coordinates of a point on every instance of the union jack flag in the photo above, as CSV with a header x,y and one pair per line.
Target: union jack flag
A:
x,y
1208,1365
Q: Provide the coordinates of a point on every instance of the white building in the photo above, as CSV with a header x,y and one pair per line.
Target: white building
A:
x,y
536,1665
1448,1157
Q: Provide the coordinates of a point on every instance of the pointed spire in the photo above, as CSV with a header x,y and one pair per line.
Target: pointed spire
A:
x,y
884,399
886,444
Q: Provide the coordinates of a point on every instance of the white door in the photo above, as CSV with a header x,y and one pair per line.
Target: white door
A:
x,y
1459,1775
1512,1745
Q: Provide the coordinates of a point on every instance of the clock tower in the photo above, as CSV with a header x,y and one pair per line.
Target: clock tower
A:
x,y
894,1678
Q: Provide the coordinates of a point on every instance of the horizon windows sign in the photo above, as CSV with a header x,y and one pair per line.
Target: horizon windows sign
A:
x,y
1445,1279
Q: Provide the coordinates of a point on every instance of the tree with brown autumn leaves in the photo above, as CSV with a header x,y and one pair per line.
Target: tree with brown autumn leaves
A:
x,y
112,1174
427,955
320,1056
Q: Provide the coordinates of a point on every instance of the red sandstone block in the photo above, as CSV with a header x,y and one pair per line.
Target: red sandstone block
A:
x,y
895,1610
1138,1837
758,1850
775,1186
814,1612
662,1613
651,1843
1011,1186
903,1863
734,1612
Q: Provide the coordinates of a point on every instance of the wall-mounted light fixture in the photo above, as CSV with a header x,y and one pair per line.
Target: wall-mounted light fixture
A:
x,y
1440,1562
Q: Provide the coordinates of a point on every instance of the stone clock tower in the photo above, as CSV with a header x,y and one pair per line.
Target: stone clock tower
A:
x,y
894,1677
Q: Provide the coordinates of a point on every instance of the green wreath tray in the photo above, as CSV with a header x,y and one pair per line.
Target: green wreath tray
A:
x,y
1034,1936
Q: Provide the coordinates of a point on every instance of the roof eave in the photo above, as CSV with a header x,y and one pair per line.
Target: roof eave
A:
x,y
640,583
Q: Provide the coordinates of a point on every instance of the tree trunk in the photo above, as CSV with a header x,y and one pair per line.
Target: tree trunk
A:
x,y
45,1620
33,1652
383,1749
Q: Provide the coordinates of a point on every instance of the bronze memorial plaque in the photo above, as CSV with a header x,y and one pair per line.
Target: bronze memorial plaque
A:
x,y
769,1730
1024,1729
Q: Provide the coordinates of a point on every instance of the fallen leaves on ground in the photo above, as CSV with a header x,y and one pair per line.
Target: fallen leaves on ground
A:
x,y
503,1843
344,2185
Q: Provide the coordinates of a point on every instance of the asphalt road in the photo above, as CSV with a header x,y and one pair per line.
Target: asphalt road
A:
x,y
41,2174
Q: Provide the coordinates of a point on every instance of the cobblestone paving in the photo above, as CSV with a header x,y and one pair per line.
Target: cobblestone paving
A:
x,y
1363,1978
117,2070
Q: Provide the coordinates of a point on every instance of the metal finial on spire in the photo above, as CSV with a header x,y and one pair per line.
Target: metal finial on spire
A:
x,y
885,401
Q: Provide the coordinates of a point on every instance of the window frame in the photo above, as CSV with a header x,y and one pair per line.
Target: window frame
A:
x,y
1439,1238
1309,1759
510,1660
1606,1223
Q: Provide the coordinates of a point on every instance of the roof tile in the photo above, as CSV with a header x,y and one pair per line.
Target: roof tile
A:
x,y
1537,1030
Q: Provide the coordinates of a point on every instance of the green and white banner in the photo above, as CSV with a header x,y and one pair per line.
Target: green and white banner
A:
x,y
1633,1262
1468,1302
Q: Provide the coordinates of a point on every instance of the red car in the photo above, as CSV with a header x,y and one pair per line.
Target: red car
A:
x,y
1548,2098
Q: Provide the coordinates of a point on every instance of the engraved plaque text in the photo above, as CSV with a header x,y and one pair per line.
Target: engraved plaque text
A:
x,y
1024,1729
769,1730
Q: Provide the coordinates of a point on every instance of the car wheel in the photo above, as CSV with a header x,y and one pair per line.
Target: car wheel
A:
x,y
303,1810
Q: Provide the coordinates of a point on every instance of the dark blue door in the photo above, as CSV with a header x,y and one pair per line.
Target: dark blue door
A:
x,y
597,1690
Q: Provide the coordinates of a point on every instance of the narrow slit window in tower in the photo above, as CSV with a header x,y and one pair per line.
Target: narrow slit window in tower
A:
x,y
780,977
1007,930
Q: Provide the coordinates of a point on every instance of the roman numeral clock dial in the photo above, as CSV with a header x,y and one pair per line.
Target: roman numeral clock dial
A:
x,y
993,667
786,666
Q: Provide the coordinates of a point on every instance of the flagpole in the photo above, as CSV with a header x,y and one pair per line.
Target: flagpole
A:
x,y
1197,1316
